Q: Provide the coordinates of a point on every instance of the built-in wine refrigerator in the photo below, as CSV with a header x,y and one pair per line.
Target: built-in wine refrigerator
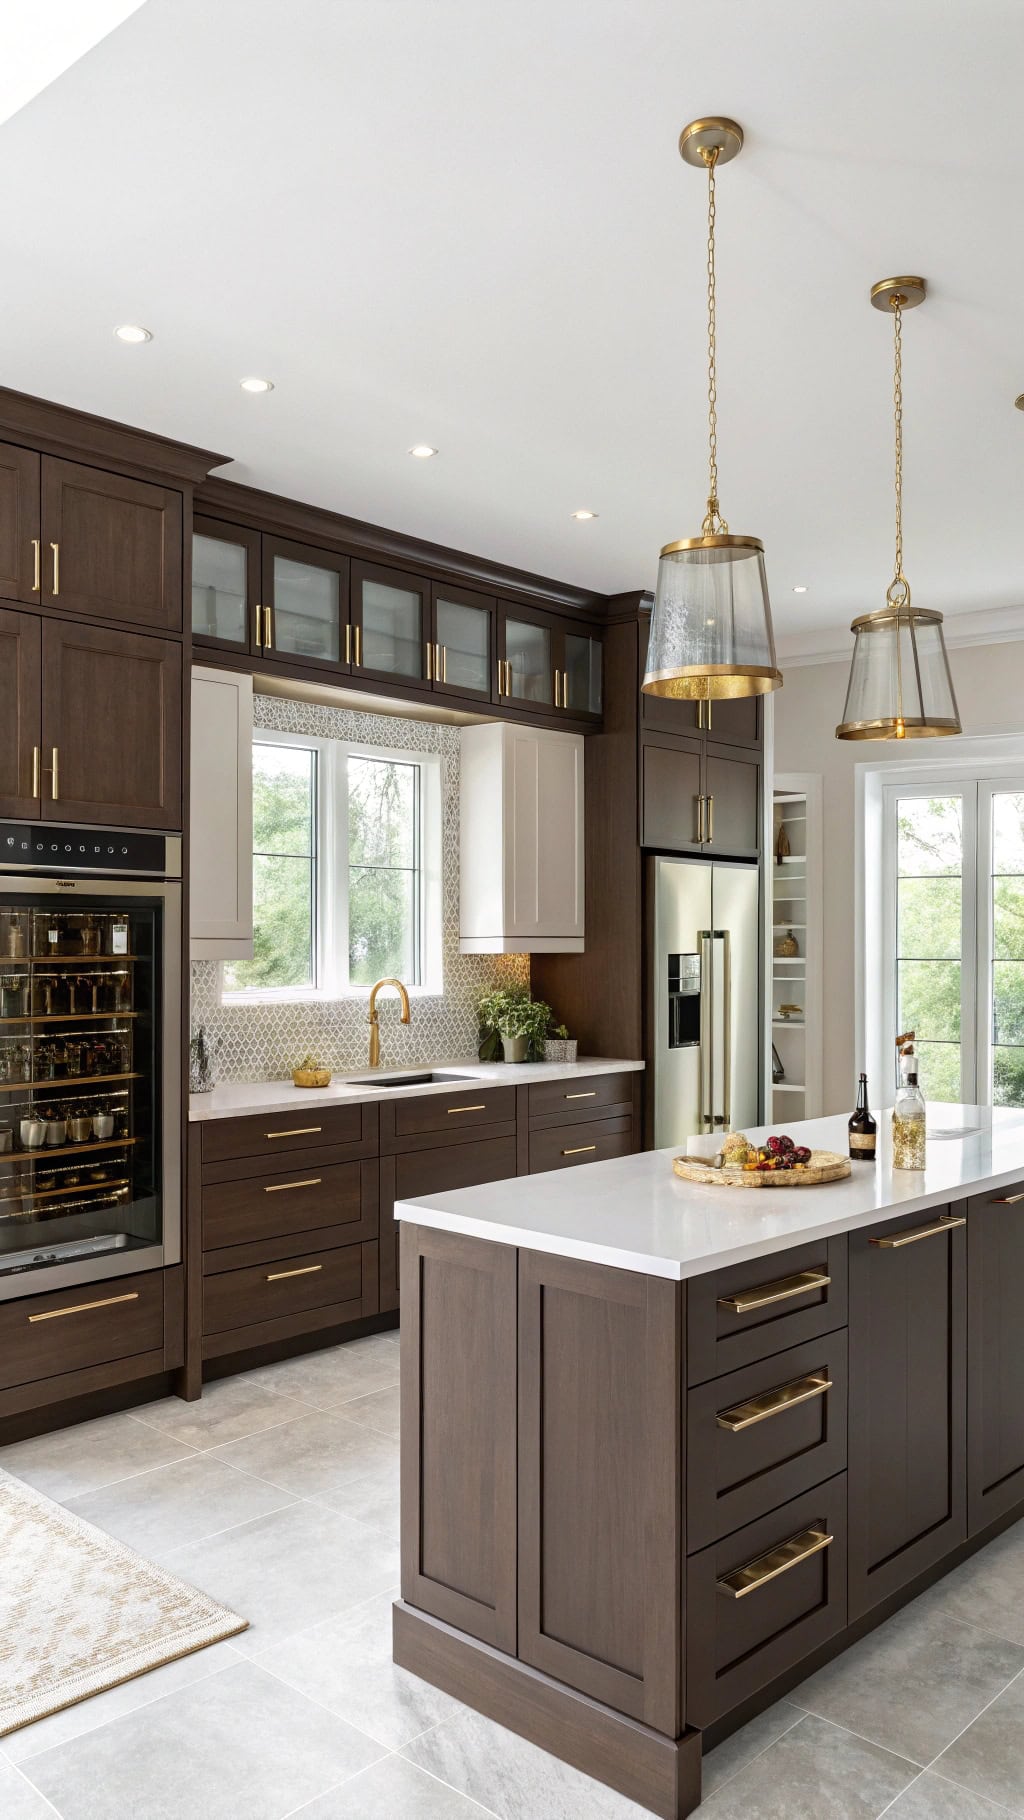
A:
x,y
90,1055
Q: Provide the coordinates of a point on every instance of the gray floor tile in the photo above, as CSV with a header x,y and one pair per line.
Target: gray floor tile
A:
x,y
816,1771
288,1571
729,1758
393,1790
240,1744
226,1411
80,1459
914,1683
989,1757
160,1510
316,1453
346,1665
373,1500
933,1798
20,1801
380,1410
86,1715
513,1778
327,1379
989,1588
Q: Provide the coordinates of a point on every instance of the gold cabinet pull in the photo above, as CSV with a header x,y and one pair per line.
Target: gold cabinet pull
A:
x,y
348,644
1006,1200
591,1094
707,716
298,1131
765,1294
37,760
900,1239
55,774
309,1181
359,646
772,1403
700,821
711,818
430,665
557,689
479,1106
305,1270
259,624
55,547
268,627
744,1580
565,688
578,1149
109,1301
37,565
444,663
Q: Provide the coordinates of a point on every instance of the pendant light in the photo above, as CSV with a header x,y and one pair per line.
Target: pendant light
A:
x,y
711,629
900,686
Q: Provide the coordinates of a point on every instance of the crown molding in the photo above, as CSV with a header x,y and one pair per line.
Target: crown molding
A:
x,y
833,645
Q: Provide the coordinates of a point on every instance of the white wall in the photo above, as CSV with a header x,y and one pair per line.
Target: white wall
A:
x,y
989,683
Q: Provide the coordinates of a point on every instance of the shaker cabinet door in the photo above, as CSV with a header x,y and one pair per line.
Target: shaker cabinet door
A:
x,y
111,727
20,553
995,1358
111,546
20,737
732,803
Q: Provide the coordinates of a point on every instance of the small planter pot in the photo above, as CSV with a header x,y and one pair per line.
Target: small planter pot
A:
x,y
515,1048
560,1049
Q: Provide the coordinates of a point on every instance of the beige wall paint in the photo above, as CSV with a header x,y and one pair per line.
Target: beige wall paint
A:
x,y
989,682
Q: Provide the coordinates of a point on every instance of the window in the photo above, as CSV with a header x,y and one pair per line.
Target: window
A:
x,y
346,870
952,947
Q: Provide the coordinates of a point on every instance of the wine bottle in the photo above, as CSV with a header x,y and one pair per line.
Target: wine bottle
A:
x,y
863,1130
908,1117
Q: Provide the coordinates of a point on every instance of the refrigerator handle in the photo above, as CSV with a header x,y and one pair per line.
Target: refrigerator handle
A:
x,y
722,935
706,1053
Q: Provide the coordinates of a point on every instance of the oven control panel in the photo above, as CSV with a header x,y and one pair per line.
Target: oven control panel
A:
x,y
28,846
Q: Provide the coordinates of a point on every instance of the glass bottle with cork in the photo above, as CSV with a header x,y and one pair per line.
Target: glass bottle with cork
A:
x,y
863,1129
908,1113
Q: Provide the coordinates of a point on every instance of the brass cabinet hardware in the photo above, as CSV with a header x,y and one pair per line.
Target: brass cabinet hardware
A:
x,y
37,565
299,1131
305,1270
777,1561
711,818
707,716
108,1301
444,663
55,547
565,688
557,686
700,715
946,1224
359,646
1006,1200
700,820
578,1149
55,774
479,1106
745,1300
259,624
37,759
591,1094
348,644
268,627
772,1403
430,665
309,1181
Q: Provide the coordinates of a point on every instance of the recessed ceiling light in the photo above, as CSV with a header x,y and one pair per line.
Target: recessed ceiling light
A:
x,y
256,385
422,451
800,590
583,513
133,332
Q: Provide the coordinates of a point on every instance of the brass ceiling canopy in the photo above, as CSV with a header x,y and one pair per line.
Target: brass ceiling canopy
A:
x,y
900,686
711,628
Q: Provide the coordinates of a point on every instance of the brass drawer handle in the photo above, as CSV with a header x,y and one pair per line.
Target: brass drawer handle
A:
x,y
348,644
1006,1200
430,663
37,565
306,1270
299,1131
919,1232
480,1106
786,1287
579,1149
744,1580
444,663
259,624
711,818
37,759
55,773
359,646
54,1314
55,547
772,1403
310,1181
268,626
591,1095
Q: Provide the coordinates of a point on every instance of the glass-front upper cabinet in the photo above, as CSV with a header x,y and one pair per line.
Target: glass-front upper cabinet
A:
x,y
390,623
304,611
461,661
225,575
525,659
580,691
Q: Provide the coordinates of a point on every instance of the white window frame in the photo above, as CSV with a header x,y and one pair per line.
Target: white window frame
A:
x,y
331,921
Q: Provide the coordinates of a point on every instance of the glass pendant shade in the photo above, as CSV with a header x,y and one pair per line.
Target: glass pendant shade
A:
x,y
711,629
900,686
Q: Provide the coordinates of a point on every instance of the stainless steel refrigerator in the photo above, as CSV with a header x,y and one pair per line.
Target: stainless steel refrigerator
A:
x,y
703,996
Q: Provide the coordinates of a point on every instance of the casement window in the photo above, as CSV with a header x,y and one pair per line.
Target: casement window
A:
x,y
346,870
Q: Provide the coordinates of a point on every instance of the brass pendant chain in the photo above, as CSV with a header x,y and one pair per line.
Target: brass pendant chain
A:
x,y
898,594
714,524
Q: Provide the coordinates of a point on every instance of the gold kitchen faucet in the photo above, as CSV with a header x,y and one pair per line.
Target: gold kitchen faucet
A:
x,y
373,1021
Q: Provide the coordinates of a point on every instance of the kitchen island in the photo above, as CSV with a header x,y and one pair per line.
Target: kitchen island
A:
x,y
667,1448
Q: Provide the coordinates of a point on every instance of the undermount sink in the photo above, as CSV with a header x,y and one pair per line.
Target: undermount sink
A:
x,y
427,1079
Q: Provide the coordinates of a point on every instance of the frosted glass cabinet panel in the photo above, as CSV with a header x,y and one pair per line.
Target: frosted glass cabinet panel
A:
x,y
225,570
527,670
389,623
582,674
463,639
305,603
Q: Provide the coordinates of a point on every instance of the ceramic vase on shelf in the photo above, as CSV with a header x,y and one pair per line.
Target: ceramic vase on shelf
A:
x,y
788,947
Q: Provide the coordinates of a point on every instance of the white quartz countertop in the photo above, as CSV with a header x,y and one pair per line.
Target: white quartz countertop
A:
x,y
632,1213
233,1099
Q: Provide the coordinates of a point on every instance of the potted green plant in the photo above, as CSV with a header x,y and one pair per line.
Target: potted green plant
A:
x,y
559,1046
516,1021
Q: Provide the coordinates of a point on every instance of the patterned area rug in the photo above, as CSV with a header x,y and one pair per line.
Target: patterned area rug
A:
x,y
80,1612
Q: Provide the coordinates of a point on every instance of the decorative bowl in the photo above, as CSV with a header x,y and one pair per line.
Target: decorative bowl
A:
x,y
311,1077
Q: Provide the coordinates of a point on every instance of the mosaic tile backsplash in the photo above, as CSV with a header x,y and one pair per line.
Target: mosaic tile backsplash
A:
x,y
264,1042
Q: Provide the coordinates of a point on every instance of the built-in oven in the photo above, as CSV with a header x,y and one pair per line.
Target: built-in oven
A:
x,y
90,1054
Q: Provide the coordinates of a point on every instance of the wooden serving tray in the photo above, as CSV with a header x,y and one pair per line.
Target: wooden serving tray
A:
x,y
824,1166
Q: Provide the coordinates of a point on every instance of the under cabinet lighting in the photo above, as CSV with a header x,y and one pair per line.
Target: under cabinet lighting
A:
x,y
256,385
133,332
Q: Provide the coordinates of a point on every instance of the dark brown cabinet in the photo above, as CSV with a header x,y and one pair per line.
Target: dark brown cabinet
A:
x,y
111,546
20,543
303,614
20,714
549,662
462,636
907,1401
732,802
699,797
390,623
995,1355
447,1164
111,727
225,585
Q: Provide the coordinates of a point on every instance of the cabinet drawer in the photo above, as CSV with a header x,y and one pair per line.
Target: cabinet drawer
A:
x,y
453,1113
273,1134
762,1600
276,1206
592,1142
573,1100
86,1324
266,1292
762,1435
750,1311
461,1166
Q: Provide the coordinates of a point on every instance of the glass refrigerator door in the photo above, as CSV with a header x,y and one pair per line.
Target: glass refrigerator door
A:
x,y
80,1080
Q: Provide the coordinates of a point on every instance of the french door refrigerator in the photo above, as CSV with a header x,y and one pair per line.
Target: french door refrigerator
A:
x,y
703,996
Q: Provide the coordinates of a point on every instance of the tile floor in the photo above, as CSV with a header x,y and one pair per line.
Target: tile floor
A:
x,y
278,1494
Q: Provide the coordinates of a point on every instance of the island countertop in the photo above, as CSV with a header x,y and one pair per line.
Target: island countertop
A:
x,y
633,1213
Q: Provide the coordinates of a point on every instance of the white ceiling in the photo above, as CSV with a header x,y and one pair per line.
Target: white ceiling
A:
x,y
468,224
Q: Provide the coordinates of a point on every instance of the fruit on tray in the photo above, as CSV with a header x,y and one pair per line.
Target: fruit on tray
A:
x,y
777,1152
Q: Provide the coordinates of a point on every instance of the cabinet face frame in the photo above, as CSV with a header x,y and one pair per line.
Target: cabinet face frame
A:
x,y
21,711
20,534
249,541
479,603
407,583
314,558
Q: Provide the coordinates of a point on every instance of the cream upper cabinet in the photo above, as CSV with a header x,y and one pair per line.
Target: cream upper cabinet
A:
x,y
521,841
221,816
